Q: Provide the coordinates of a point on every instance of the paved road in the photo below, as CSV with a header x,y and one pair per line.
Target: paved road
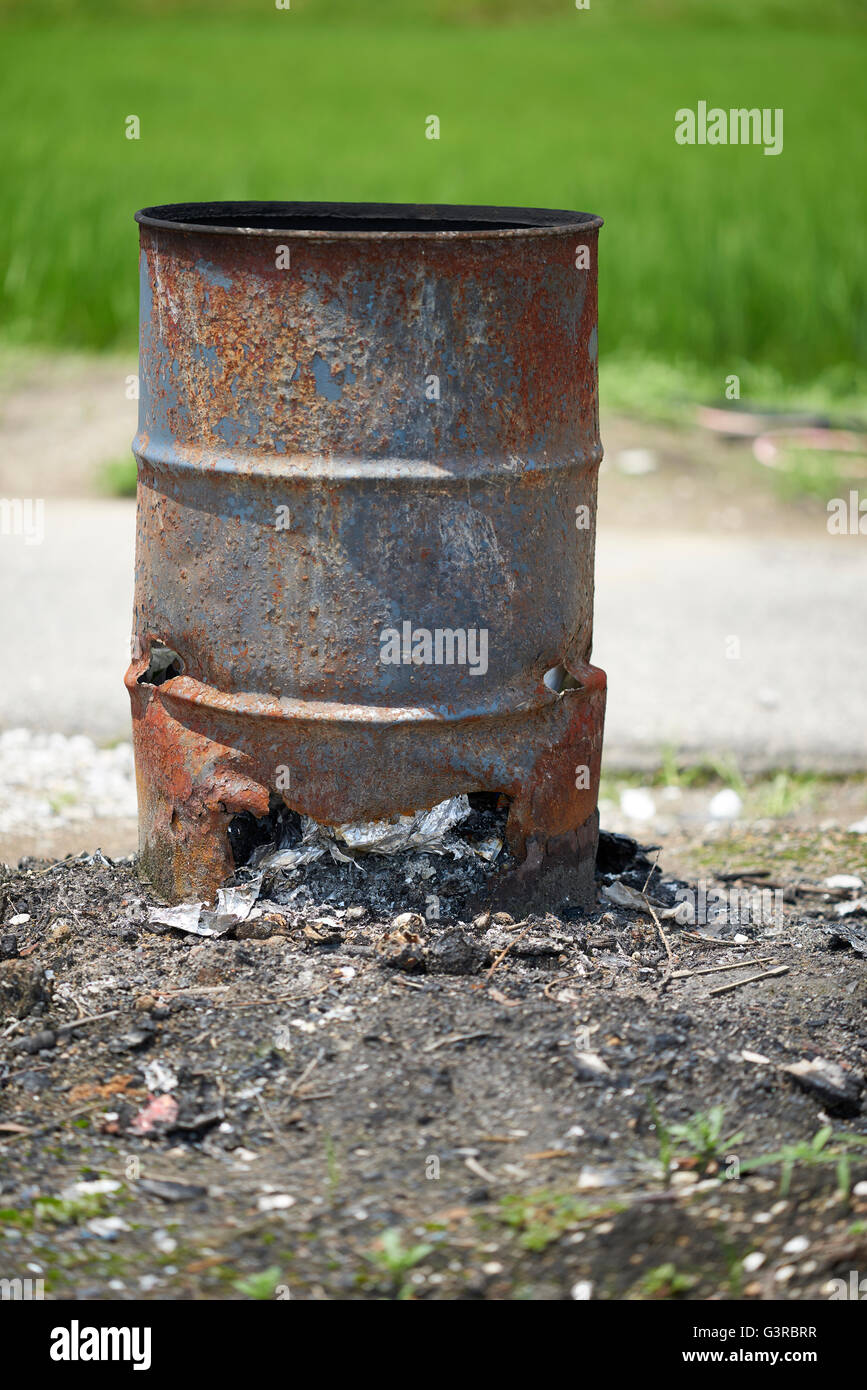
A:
x,y
712,643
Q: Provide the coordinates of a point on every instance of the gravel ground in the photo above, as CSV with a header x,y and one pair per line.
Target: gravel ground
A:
x,y
340,1099
49,781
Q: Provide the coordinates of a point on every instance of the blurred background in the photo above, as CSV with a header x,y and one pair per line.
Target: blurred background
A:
x,y
731,622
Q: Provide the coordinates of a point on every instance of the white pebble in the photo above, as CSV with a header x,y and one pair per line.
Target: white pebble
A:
x,y
637,803
726,805
796,1246
636,462
278,1202
754,1261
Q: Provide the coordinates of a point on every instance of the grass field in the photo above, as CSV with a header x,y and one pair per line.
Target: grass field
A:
x,y
714,260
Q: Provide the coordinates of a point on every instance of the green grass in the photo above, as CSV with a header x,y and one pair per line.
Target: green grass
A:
x,y
713,260
713,14
544,1216
119,477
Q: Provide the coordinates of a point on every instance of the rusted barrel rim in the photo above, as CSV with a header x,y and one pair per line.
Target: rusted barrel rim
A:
x,y
365,221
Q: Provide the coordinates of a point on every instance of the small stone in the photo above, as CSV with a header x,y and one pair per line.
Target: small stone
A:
x,y
407,921
24,987
274,1201
796,1246
321,933
276,921
136,1039
355,913
726,805
212,973
683,1178
754,1261
145,1002
637,803
402,950
635,463
259,929
455,953
838,1090
589,1066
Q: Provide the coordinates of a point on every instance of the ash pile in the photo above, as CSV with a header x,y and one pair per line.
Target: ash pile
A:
x,y
422,883
436,863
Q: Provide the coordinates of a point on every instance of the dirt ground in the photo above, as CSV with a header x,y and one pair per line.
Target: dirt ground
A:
x,y
326,1103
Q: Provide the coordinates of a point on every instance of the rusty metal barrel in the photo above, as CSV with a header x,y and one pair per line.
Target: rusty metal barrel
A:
x,y
368,449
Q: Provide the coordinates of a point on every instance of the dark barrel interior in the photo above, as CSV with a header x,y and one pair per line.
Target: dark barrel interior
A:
x,y
358,217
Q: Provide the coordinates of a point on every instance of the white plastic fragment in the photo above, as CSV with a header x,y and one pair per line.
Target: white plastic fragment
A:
x,y
623,896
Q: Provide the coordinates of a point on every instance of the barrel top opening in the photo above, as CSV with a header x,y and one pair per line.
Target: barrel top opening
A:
x,y
363,219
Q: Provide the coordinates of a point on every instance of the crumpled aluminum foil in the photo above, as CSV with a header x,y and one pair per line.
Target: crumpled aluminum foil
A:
x,y
425,831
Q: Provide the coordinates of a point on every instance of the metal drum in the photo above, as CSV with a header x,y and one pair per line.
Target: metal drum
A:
x,y
368,447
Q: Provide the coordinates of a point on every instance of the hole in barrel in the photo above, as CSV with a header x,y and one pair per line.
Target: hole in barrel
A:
x,y
281,828
558,679
163,665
